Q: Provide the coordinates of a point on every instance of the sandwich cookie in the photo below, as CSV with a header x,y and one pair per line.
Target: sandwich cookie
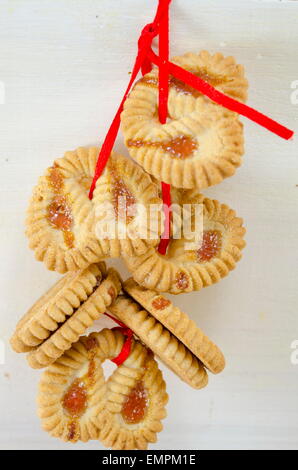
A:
x,y
161,341
179,324
55,306
49,329
76,402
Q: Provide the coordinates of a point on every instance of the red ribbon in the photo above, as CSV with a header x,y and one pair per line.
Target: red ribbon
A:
x,y
163,93
224,100
126,348
143,62
144,45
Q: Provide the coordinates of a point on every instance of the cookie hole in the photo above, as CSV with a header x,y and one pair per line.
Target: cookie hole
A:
x,y
108,368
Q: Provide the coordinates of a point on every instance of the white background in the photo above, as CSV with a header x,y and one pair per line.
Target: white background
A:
x,y
65,65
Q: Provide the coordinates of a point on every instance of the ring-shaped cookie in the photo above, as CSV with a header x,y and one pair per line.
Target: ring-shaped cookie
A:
x,y
183,270
61,217
74,326
58,209
223,73
123,221
201,143
75,402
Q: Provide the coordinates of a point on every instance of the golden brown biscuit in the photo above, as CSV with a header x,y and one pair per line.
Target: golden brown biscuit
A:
x,y
164,344
75,402
179,324
223,73
74,326
183,269
58,210
57,304
201,143
122,198
135,407
61,218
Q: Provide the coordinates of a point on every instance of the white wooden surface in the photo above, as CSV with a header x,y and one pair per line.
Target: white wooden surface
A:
x,y
64,65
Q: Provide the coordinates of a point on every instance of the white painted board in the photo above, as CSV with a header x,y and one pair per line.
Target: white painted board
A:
x,y
64,66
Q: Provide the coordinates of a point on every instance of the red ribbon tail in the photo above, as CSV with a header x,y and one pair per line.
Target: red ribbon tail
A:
x,y
163,88
220,98
109,141
126,348
124,353
165,239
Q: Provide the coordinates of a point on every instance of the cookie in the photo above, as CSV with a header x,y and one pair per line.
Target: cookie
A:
x,y
61,218
58,210
135,407
124,221
201,143
55,306
164,344
190,265
223,73
74,326
179,324
75,402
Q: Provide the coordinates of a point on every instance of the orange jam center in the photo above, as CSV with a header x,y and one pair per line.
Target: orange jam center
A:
x,y
58,211
135,406
148,81
182,280
75,399
55,179
123,199
182,87
68,238
160,303
211,245
179,147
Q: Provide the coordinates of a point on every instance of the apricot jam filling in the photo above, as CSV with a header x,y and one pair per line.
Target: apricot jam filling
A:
x,y
136,404
58,211
182,280
55,179
203,73
182,87
160,303
211,245
122,198
75,399
180,147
